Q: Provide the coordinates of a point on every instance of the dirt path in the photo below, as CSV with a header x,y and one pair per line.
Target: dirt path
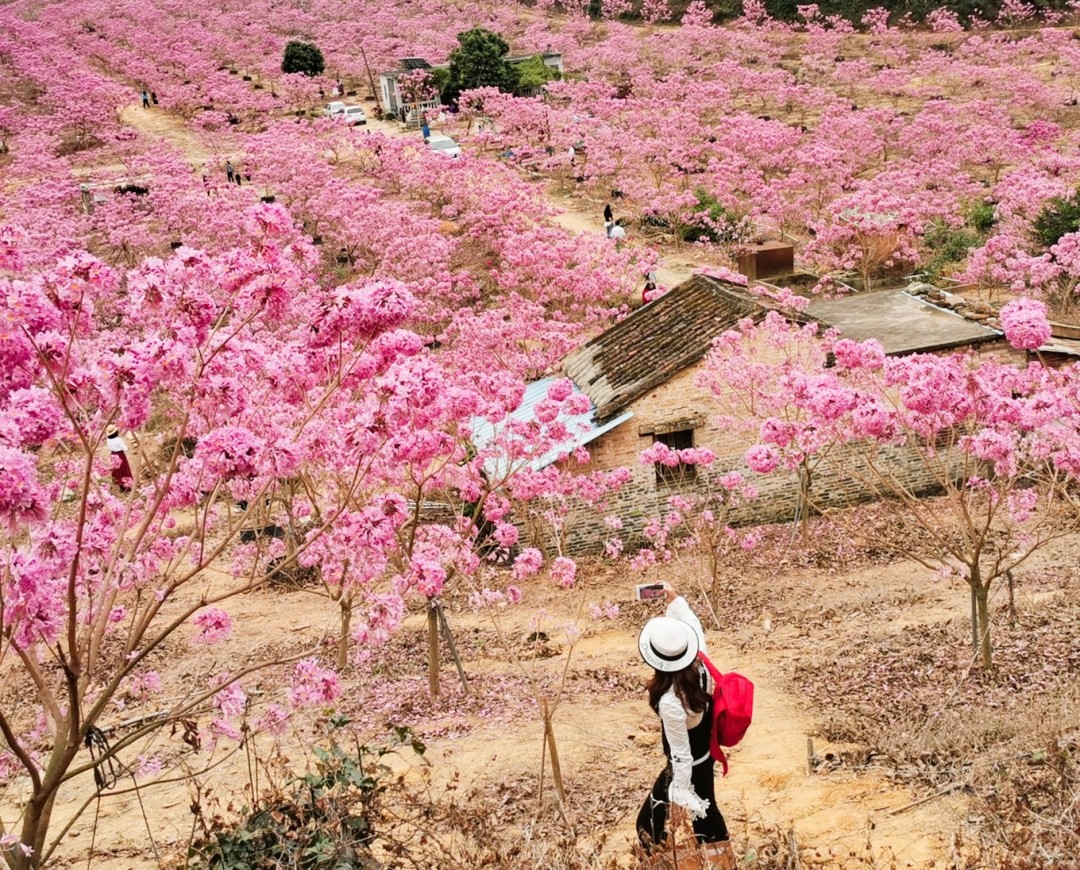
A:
x,y
159,124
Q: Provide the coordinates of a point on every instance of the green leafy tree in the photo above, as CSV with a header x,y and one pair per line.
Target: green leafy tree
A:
x,y
303,57
479,61
1059,217
533,72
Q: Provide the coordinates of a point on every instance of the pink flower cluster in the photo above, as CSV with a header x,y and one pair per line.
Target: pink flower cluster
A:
x,y
1025,323
313,684
21,496
214,625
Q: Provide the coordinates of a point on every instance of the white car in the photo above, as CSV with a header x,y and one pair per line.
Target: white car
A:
x,y
333,109
351,115
444,145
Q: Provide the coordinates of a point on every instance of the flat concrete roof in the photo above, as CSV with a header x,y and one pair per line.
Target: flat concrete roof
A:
x,y
901,322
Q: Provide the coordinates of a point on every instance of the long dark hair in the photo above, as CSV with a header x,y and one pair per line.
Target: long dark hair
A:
x,y
688,688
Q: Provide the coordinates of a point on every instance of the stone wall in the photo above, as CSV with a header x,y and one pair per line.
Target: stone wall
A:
x,y
841,479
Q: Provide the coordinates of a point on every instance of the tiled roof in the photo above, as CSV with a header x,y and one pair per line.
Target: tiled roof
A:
x,y
656,342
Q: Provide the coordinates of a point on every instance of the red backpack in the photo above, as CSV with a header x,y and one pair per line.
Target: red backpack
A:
x,y
733,708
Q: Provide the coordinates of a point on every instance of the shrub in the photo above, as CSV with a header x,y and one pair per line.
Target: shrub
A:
x,y
709,220
1058,217
303,57
983,217
533,73
325,819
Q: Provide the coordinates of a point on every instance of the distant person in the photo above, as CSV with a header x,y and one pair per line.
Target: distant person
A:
x,y
648,293
153,97
121,468
609,216
229,171
424,128
247,173
145,100
617,232
572,154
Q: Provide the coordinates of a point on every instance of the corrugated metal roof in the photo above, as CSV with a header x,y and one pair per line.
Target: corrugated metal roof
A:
x,y
411,63
583,428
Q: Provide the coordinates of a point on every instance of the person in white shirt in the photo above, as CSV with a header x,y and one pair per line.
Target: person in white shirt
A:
x,y
617,232
680,691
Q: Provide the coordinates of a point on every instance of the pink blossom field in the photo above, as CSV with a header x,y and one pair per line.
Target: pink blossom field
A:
x,y
317,342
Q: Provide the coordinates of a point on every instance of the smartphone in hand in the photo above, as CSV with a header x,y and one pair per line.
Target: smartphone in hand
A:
x,y
648,591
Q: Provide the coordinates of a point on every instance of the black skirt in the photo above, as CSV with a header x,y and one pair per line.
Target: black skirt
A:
x,y
652,819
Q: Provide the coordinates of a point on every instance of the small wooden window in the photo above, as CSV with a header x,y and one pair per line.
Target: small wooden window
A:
x,y
681,439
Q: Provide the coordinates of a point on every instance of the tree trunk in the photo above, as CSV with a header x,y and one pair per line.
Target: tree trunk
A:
x,y
974,616
345,603
983,611
433,648
34,830
553,751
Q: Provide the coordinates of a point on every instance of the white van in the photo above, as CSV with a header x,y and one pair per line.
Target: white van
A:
x,y
334,109
444,145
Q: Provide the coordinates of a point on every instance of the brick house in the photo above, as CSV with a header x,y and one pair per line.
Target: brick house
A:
x,y
640,376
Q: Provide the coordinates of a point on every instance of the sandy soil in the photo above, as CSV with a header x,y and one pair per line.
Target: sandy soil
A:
x,y
608,744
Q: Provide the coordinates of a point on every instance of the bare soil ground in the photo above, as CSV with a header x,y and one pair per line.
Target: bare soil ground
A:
x,y
849,812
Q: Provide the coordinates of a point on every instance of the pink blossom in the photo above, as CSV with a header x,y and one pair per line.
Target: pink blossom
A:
x,y
147,765
858,354
231,700
21,496
513,595
1025,324
564,571
1021,504
762,459
214,625
560,390
230,452
506,534
312,684
527,563
273,720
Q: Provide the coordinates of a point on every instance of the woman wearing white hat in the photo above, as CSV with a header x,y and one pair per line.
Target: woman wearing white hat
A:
x,y
680,691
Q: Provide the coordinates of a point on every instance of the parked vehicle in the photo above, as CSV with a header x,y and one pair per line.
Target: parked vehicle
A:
x,y
352,115
333,109
444,145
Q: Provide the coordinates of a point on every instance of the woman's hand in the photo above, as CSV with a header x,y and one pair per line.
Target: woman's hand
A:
x,y
669,593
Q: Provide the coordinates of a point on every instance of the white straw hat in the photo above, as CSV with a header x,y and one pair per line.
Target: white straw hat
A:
x,y
668,644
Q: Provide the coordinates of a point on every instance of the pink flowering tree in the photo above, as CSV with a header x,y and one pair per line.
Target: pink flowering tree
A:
x,y
696,525
257,421
999,441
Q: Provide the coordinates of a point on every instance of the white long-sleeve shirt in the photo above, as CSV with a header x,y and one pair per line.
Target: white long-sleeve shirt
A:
x,y
677,723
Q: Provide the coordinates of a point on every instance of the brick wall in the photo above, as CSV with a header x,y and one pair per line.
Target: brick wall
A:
x,y
839,480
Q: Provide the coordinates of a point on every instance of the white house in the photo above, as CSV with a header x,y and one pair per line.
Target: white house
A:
x,y
390,96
